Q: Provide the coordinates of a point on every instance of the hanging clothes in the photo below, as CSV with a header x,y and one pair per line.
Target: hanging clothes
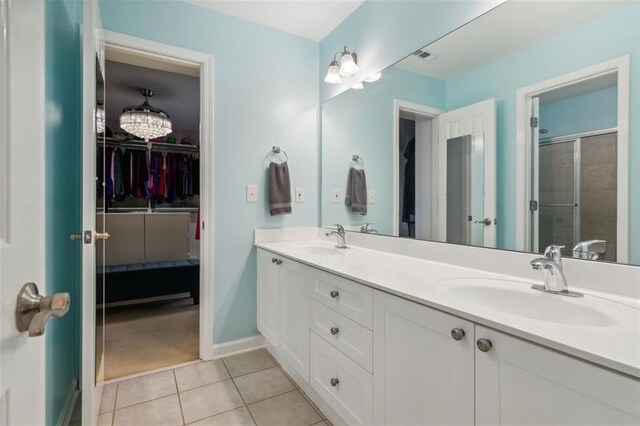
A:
x,y
409,190
118,181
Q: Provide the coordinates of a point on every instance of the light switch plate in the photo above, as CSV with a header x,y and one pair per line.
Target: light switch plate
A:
x,y
299,194
371,196
252,194
335,195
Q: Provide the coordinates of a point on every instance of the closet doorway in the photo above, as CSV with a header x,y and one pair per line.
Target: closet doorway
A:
x,y
154,197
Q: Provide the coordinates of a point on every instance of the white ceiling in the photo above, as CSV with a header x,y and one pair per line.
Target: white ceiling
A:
x,y
591,85
512,26
175,93
312,19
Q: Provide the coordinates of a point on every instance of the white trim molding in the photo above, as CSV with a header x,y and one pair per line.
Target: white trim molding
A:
x,y
619,65
239,346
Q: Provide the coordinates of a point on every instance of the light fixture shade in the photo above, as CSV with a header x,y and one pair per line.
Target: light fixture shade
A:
x,y
145,121
333,74
100,121
358,86
373,78
348,66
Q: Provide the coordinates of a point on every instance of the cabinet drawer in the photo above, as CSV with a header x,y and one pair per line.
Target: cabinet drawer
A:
x,y
347,336
351,393
353,300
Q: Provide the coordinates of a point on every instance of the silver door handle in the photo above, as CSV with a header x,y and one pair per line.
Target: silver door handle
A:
x,y
486,221
34,310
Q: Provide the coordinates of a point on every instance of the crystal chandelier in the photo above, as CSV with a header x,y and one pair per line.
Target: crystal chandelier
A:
x,y
100,122
145,121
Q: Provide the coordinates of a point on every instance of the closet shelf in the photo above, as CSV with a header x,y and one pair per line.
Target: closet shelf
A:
x,y
157,146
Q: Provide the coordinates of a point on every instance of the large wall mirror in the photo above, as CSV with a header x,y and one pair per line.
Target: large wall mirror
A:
x,y
518,130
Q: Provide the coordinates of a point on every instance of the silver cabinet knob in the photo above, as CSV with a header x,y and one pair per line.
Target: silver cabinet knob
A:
x,y
484,344
34,310
274,260
335,294
334,382
278,262
457,333
335,330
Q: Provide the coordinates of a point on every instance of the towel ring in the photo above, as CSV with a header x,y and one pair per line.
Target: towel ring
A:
x,y
277,150
357,159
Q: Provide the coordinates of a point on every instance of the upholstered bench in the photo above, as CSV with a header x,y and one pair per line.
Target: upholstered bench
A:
x,y
144,280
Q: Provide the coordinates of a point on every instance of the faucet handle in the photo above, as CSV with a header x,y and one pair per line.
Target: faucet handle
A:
x,y
339,228
553,252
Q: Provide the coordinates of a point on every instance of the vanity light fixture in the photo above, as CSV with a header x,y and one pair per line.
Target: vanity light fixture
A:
x,y
145,121
373,78
358,86
347,66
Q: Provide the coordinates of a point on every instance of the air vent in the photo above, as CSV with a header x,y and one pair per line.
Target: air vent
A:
x,y
421,54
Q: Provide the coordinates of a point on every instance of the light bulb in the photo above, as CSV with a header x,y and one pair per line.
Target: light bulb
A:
x,y
333,74
358,86
348,65
373,78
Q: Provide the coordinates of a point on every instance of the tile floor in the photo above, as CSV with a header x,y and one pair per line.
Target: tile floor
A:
x,y
245,389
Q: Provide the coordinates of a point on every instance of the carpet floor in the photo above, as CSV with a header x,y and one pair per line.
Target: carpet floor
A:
x,y
149,336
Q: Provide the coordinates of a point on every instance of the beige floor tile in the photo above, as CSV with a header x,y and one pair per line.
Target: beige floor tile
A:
x,y
163,411
209,400
238,417
108,397
203,373
145,388
105,419
263,384
290,409
249,362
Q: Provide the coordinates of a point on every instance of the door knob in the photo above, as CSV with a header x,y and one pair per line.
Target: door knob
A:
x,y
334,330
334,381
102,236
486,221
34,310
334,294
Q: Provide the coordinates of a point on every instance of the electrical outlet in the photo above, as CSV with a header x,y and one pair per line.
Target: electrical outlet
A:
x,y
335,195
252,194
299,194
371,196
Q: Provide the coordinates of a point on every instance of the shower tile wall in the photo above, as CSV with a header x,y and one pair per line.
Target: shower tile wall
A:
x,y
598,191
556,186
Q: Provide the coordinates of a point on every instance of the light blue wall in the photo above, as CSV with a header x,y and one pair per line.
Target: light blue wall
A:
x,y
265,93
361,122
592,111
62,156
612,36
383,31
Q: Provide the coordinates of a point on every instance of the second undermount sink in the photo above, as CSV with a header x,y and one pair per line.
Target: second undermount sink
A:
x,y
322,251
517,298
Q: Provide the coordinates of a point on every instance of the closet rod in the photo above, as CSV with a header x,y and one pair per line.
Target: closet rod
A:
x,y
155,146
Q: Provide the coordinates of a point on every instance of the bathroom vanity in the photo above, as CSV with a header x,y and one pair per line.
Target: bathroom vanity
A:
x,y
377,337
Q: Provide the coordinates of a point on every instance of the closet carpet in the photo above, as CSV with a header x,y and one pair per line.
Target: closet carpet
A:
x,y
148,336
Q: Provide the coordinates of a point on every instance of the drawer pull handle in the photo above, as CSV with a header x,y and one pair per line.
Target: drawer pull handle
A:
x,y
484,344
334,294
334,382
457,333
335,330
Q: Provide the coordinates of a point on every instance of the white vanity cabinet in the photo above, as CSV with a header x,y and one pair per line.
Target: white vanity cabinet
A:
x,y
283,308
423,364
518,382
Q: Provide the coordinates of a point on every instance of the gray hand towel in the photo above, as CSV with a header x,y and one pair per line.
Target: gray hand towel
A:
x,y
356,198
279,189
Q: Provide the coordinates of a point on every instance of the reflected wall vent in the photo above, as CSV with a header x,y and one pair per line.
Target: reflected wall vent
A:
x,y
423,54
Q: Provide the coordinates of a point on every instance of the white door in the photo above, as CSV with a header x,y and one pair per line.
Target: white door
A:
x,y
22,206
269,315
520,383
92,59
423,375
534,120
294,294
478,121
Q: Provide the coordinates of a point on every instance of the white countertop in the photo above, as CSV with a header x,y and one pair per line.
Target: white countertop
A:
x,y
616,346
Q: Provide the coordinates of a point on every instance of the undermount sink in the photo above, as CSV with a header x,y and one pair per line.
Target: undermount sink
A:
x,y
322,251
517,298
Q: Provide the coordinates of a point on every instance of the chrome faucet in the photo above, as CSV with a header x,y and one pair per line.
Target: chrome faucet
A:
x,y
340,233
584,250
554,279
366,229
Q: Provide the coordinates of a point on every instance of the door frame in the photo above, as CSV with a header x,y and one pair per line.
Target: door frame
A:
x,y
619,65
423,111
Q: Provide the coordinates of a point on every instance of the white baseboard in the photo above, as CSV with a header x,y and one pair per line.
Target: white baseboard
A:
x,y
238,346
69,403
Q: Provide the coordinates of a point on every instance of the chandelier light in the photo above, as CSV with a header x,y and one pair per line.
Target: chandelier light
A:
x,y
145,121
100,121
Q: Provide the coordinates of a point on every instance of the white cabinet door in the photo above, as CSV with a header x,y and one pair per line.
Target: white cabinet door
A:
x,y
422,375
521,383
269,303
294,298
